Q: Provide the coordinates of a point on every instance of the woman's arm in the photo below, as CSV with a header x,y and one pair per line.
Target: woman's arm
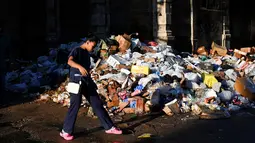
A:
x,y
77,66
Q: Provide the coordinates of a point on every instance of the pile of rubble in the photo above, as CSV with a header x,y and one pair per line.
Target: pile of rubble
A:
x,y
134,77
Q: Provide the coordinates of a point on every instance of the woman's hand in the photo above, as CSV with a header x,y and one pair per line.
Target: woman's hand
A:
x,y
83,71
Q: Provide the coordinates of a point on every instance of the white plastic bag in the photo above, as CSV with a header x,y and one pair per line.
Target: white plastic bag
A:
x,y
192,77
226,95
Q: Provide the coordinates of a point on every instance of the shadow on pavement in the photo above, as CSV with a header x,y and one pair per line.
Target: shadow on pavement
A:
x,y
128,130
11,99
234,130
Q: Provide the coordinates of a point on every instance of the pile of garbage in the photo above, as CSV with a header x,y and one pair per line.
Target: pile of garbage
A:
x,y
44,74
136,77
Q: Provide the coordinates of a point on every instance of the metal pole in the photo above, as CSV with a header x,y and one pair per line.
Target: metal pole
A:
x,y
192,25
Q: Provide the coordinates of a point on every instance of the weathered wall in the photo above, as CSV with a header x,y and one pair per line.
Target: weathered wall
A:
x,y
162,20
28,26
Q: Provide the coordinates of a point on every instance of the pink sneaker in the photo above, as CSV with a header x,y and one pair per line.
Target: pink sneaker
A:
x,y
114,130
66,136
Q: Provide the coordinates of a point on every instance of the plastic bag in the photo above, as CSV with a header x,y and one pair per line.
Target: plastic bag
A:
x,y
42,59
18,88
11,76
226,95
209,79
25,77
192,77
231,74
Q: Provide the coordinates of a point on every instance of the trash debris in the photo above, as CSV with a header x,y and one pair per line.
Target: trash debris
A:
x,y
145,135
135,77
213,116
196,109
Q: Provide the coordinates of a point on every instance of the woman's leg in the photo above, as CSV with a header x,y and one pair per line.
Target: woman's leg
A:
x,y
97,105
71,116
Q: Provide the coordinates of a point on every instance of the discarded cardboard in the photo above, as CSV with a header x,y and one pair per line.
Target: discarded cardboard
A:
x,y
139,104
129,110
120,87
173,106
168,111
124,43
114,101
239,54
217,49
248,50
246,87
202,51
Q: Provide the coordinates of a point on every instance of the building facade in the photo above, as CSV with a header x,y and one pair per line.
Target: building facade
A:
x,y
185,24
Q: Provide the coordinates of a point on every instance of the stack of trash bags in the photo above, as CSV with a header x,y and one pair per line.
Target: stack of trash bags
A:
x,y
136,77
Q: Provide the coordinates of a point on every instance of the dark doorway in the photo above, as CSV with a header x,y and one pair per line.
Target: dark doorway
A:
x,y
181,25
33,26
209,22
132,16
240,23
74,20
119,16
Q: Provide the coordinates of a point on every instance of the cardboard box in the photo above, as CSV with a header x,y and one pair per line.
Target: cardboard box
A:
x,y
246,87
172,107
129,110
124,43
168,111
114,101
139,104
140,69
222,51
239,54
152,60
202,51
248,50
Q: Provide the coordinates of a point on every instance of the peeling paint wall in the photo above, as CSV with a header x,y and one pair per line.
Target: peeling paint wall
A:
x,y
162,20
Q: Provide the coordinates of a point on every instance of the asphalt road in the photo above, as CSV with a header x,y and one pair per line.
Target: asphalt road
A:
x,y
37,122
